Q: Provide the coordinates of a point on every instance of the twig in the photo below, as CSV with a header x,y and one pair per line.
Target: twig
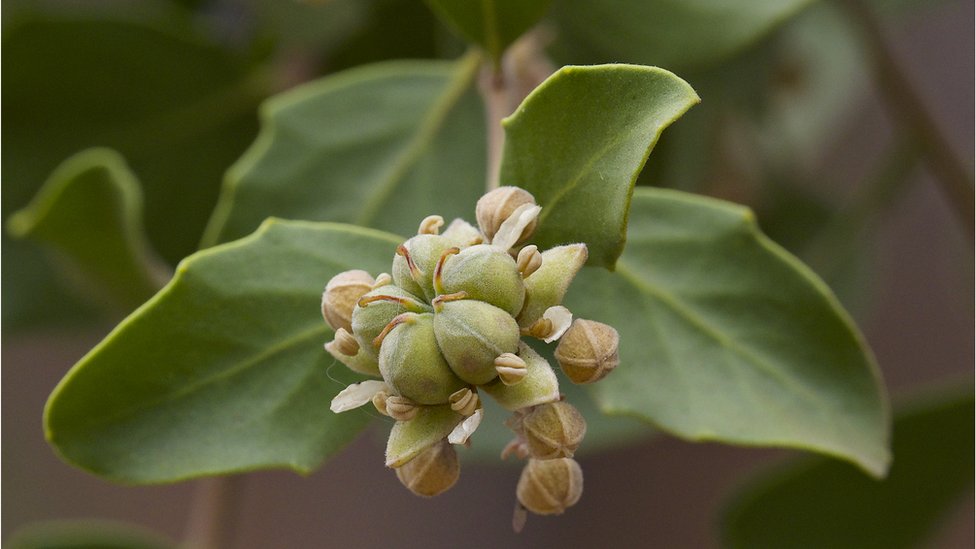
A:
x,y
491,84
213,513
908,110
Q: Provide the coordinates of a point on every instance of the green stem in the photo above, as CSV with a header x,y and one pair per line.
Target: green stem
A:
x,y
491,84
213,513
907,108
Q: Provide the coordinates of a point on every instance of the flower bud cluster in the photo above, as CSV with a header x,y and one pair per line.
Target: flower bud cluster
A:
x,y
446,326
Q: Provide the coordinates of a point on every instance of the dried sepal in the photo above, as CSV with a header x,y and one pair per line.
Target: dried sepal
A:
x,y
511,369
529,260
401,408
588,351
431,225
340,297
553,324
517,227
432,472
463,431
549,487
497,205
464,401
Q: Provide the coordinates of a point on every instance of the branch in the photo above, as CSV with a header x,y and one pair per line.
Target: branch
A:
x,y
213,513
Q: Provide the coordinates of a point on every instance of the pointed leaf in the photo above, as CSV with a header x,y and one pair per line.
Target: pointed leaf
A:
x,y
830,504
90,210
578,142
670,33
382,146
492,24
725,336
224,369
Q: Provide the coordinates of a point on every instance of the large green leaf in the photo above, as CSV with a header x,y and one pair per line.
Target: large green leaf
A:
x,y
224,369
90,210
677,34
820,503
382,145
492,24
725,336
578,143
178,108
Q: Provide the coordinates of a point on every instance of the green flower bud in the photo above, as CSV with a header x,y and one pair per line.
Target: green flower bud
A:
x,y
553,430
414,263
411,362
546,287
587,351
471,335
549,487
340,297
485,273
432,472
376,309
497,205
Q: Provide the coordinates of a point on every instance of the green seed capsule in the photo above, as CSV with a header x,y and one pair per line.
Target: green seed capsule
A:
x,y
376,309
411,362
485,273
414,262
471,335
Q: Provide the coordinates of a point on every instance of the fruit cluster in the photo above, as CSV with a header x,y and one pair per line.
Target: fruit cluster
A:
x,y
446,327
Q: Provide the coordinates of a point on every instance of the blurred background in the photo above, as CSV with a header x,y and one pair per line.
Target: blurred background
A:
x,y
796,121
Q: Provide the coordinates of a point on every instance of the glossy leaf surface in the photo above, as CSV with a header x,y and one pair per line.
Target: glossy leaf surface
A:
x,y
578,143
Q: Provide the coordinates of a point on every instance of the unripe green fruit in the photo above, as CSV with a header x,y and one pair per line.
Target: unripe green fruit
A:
x,y
411,362
376,309
471,335
485,273
423,251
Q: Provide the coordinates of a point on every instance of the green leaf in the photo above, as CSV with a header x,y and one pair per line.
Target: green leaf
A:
x,y
823,503
223,370
178,108
381,146
90,210
492,24
578,142
676,34
724,336
86,535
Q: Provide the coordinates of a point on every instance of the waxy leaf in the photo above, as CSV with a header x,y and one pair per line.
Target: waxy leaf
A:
x,y
676,34
724,336
829,504
224,369
382,146
492,24
578,143
90,210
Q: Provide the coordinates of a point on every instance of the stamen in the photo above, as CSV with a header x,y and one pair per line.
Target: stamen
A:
x,y
397,320
438,285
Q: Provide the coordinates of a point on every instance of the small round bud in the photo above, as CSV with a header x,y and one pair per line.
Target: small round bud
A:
x,y
587,351
549,487
431,225
432,472
471,335
464,401
400,408
496,206
412,364
341,295
485,273
511,369
553,430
